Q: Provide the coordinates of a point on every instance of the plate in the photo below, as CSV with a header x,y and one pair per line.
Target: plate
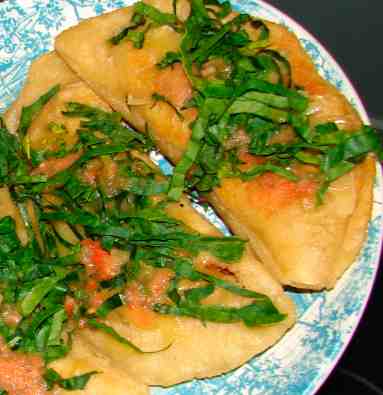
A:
x,y
303,359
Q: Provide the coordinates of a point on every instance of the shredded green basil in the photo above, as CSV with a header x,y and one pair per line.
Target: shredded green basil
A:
x,y
28,113
144,17
93,323
169,59
110,304
251,315
74,383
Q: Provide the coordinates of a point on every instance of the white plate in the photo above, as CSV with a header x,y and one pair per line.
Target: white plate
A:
x,y
302,360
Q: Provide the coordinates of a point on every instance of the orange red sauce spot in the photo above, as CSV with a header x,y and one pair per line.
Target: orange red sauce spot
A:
x,y
159,283
98,262
174,85
91,285
141,317
138,309
69,305
272,191
21,374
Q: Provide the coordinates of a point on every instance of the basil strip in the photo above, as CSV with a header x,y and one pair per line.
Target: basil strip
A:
x,y
169,59
159,17
77,217
193,147
227,249
268,167
196,295
111,332
110,304
74,383
58,320
98,151
260,109
253,314
18,180
38,292
28,113
235,289
184,269
8,237
270,99
202,53
136,37
297,101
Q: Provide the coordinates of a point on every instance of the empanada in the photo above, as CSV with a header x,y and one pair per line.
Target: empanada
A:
x,y
302,244
183,346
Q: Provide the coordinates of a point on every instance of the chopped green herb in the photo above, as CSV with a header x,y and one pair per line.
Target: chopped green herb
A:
x,y
74,383
144,14
169,59
268,167
110,304
251,315
28,113
160,18
37,293
137,37
111,332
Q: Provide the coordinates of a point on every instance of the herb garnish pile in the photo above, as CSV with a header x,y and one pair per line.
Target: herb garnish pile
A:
x,y
245,97
122,207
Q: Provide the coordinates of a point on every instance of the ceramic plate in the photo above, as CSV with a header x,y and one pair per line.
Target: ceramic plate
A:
x,y
302,360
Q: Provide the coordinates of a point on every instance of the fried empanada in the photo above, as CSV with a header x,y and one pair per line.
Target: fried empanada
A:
x,y
302,244
184,348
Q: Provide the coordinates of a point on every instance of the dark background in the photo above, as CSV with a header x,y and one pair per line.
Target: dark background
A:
x,y
352,32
